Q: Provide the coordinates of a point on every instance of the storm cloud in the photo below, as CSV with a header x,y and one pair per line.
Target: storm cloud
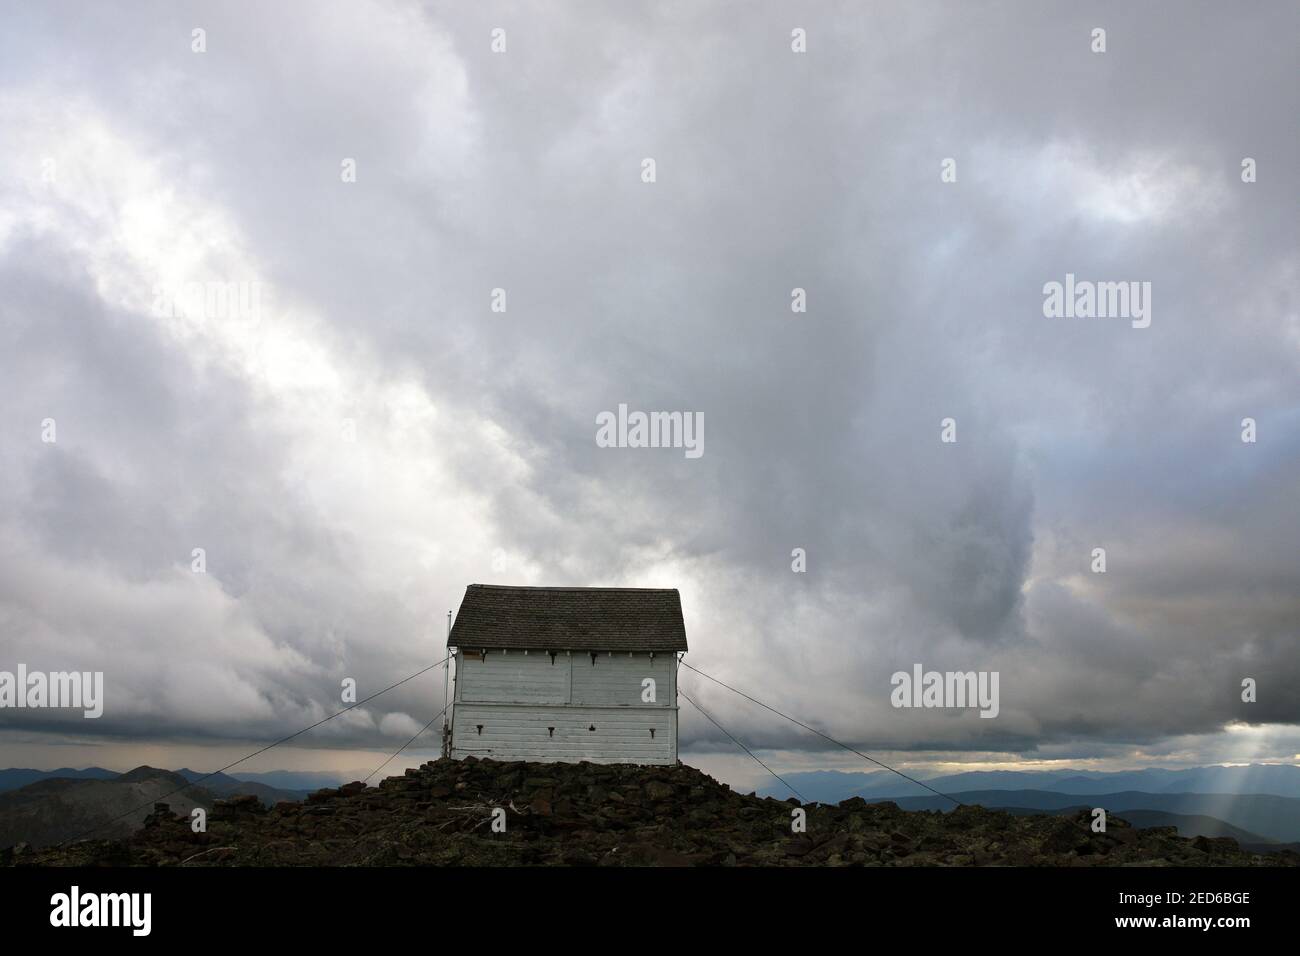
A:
x,y
374,436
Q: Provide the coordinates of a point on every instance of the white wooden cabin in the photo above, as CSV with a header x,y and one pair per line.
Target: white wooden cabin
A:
x,y
566,674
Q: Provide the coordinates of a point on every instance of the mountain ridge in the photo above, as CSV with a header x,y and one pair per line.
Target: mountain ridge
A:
x,y
55,809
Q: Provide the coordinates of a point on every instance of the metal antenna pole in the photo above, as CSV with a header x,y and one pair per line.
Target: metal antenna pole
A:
x,y
446,703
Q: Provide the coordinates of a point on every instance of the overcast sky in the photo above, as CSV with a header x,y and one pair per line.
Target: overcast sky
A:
x,y
374,436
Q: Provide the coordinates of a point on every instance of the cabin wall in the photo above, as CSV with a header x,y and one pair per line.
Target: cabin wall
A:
x,y
616,680
518,678
516,706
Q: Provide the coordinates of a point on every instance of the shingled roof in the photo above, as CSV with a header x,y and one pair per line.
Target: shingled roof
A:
x,y
579,619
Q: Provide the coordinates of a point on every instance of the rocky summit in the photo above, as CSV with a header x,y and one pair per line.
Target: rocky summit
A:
x,y
483,813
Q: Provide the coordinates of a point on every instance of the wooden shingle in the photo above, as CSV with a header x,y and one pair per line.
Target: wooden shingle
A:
x,y
556,619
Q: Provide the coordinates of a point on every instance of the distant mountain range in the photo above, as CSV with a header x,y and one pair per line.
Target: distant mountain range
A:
x,y
308,781
1256,804
50,809
14,778
224,786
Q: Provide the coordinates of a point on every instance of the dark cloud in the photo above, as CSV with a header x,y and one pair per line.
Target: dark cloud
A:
x,y
475,457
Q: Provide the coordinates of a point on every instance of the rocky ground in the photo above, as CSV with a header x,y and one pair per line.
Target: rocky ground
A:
x,y
441,814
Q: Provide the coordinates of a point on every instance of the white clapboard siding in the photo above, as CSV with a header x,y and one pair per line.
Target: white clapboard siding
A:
x,y
617,680
513,678
523,732
514,706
